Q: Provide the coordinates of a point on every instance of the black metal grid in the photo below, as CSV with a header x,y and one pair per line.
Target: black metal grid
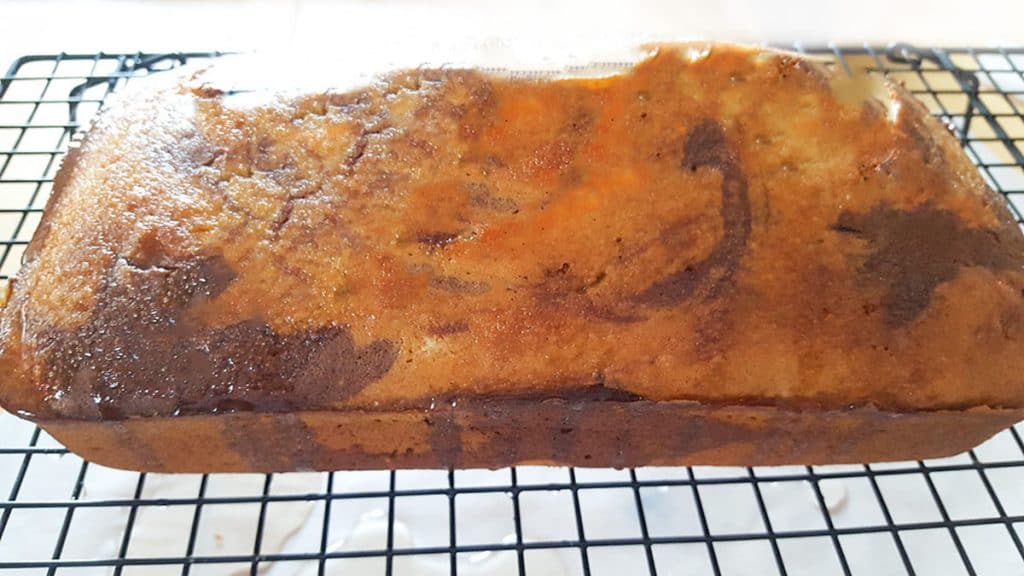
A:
x,y
979,92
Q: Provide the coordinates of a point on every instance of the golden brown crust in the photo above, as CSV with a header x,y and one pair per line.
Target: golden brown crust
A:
x,y
717,233
494,434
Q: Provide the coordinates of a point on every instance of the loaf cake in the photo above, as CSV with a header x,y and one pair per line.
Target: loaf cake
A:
x,y
718,256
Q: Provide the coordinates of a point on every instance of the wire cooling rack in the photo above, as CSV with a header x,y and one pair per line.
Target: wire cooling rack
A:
x,y
62,515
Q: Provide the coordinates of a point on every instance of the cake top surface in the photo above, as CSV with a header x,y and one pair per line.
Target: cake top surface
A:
x,y
728,226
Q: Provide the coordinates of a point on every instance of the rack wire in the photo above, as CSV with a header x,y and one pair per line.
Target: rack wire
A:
x,y
62,515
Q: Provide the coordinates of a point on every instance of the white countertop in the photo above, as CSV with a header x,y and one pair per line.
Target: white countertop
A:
x,y
342,29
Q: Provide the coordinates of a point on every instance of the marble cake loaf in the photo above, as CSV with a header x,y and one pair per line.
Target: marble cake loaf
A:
x,y
719,258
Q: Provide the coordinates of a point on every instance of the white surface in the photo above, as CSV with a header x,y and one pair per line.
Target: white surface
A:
x,y
338,31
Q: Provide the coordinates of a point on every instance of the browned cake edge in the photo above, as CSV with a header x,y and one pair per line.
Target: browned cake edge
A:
x,y
503,433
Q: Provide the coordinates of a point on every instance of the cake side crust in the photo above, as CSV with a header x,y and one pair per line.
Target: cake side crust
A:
x,y
498,434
